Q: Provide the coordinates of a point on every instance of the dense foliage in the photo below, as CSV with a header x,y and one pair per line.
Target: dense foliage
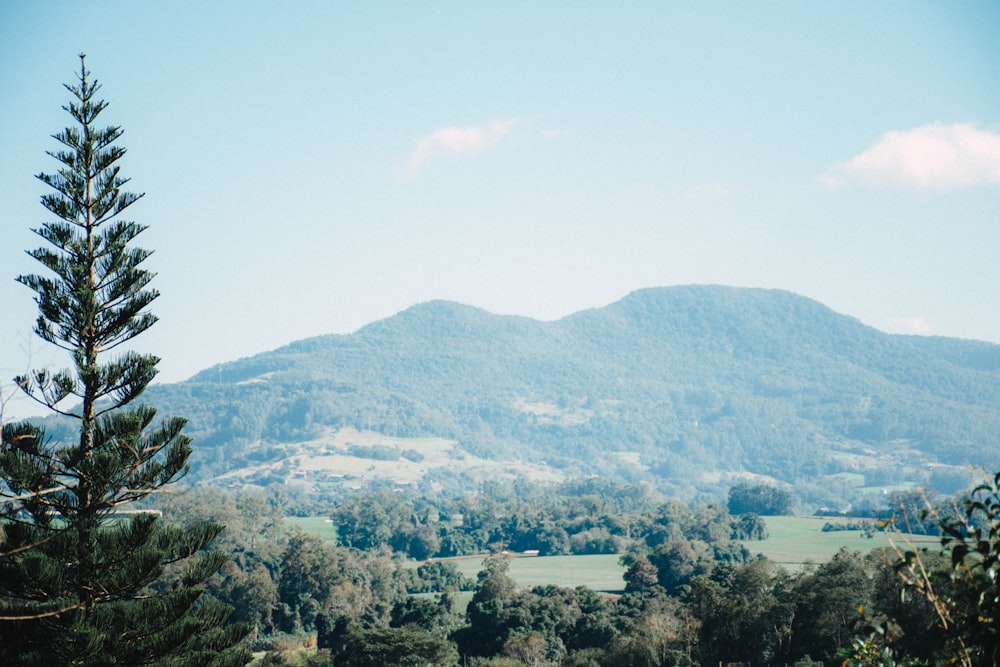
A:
x,y
759,499
691,594
581,517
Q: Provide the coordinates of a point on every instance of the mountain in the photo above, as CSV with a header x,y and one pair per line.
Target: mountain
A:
x,y
680,386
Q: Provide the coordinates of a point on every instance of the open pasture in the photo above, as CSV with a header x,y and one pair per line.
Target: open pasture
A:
x,y
794,541
600,572
321,526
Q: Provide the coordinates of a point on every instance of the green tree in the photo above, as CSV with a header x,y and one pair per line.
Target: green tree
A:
x,y
660,631
263,523
406,647
433,615
194,505
114,588
745,613
678,562
308,571
759,499
749,527
363,522
528,648
594,628
252,594
497,611
826,606
640,574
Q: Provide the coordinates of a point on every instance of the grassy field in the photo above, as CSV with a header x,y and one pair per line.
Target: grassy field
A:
x,y
599,572
314,525
796,540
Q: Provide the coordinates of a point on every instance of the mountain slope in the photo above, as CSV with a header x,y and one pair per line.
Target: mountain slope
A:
x,y
674,385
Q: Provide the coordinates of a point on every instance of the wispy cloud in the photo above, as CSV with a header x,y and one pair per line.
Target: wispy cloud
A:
x,y
453,141
910,325
931,157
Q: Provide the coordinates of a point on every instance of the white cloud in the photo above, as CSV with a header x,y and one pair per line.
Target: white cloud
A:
x,y
452,141
919,325
932,157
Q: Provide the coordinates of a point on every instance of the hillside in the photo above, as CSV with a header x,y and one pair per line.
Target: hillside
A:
x,y
681,386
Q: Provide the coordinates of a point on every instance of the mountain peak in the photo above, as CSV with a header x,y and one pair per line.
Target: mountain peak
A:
x,y
675,385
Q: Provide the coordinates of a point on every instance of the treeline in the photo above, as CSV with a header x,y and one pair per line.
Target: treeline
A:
x,y
589,516
752,612
692,593
278,581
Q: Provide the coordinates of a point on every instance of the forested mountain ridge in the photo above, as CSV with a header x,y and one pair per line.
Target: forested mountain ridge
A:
x,y
675,385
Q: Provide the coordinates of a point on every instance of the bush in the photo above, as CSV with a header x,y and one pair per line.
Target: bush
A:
x,y
759,499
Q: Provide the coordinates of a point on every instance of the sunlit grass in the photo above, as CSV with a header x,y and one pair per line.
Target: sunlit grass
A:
x,y
796,540
600,572
314,525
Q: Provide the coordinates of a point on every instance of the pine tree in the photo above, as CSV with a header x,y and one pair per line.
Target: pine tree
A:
x,y
83,581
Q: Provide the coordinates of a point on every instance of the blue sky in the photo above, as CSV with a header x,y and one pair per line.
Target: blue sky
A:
x,y
310,167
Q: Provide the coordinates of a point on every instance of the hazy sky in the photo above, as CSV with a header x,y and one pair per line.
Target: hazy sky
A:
x,y
310,167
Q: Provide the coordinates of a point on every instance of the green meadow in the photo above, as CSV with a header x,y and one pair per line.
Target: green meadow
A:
x,y
599,572
314,525
794,541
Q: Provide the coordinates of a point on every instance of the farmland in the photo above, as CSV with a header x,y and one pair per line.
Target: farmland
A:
x,y
794,541
600,572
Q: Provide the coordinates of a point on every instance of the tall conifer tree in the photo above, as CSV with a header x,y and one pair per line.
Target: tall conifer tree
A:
x,y
82,581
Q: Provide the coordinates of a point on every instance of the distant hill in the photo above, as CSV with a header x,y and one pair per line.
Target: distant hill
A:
x,y
683,386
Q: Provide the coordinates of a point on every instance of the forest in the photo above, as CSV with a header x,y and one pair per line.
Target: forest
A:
x,y
693,593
